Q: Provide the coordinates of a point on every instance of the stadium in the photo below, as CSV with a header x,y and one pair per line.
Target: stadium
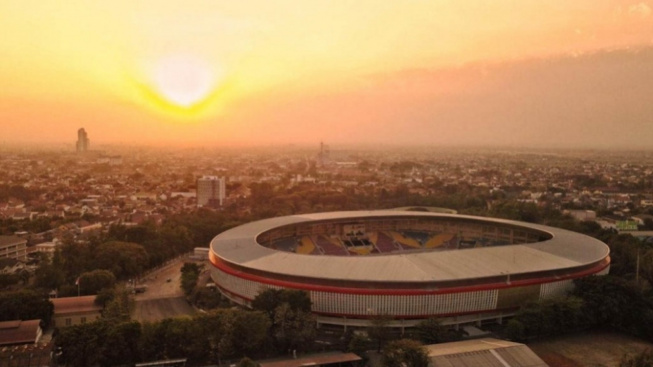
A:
x,y
406,264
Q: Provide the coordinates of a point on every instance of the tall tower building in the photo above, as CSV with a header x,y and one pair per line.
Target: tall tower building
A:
x,y
323,155
210,191
82,140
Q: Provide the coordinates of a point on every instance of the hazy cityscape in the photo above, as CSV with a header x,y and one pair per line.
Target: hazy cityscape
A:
x,y
57,197
326,183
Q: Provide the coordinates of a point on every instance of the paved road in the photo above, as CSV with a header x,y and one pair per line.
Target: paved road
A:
x,y
163,282
151,310
164,297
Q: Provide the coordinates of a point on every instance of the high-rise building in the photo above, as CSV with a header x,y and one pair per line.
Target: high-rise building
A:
x,y
323,156
83,142
210,191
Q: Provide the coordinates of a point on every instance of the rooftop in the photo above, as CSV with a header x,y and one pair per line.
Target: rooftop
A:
x,y
565,249
67,305
19,332
486,352
314,360
11,240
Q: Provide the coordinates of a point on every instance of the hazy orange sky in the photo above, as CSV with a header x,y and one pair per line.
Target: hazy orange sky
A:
x,y
522,73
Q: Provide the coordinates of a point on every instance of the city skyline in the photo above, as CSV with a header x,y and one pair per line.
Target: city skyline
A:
x,y
421,73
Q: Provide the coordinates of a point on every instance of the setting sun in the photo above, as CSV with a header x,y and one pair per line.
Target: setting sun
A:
x,y
183,80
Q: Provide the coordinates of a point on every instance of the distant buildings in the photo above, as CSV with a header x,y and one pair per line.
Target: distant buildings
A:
x,y
13,247
47,248
210,191
582,215
113,160
83,142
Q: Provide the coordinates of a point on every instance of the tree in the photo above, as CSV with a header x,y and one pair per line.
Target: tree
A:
x,y
358,344
404,353
612,302
209,298
184,339
234,332
547,317
121,344
105,296
79,344
250,331
267,301
152,341
293,328
75,258
8,279
515,330
431,331
123,259
119,306
380,330
25,305
94,281
190,273
646,262
293,324
176,237
49,275
296,299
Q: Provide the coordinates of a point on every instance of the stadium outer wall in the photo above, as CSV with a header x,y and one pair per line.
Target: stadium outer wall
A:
x,y
457,286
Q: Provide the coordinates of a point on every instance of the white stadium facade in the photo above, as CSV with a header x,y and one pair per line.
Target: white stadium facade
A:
x,y
406,264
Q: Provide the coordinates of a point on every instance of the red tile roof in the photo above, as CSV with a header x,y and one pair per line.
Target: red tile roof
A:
x,y
19,332
68,305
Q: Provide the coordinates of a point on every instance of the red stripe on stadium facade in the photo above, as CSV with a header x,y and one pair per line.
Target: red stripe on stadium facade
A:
x,y
219,264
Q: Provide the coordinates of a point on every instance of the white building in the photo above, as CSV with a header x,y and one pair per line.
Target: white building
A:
x,y
13,247
47,248
210,191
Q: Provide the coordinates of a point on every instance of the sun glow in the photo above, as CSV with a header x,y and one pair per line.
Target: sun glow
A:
x,y
184,81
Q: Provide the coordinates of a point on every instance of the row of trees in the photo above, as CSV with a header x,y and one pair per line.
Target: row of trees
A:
x,y
621,301
292,325
280,321
600,302
91,266
25,305
125,252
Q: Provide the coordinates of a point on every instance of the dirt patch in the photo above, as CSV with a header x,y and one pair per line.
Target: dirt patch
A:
x,y
588,349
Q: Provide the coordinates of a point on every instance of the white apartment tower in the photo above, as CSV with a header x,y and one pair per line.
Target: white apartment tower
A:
x,y
210,191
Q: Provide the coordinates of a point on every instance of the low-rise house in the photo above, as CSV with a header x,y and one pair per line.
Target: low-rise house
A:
x,y
20,332
47,248
70,311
